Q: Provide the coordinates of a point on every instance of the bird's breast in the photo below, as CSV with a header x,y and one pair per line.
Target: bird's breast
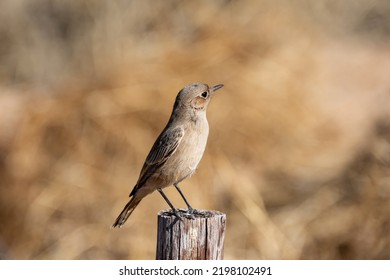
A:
x,y
190,150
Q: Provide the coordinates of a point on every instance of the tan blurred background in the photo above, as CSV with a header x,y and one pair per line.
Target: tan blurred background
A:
x,y
299,149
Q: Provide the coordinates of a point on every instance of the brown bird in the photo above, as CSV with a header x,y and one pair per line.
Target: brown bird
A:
x,y
177,151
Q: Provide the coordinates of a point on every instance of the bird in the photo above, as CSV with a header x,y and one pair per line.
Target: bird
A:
x,y
177,151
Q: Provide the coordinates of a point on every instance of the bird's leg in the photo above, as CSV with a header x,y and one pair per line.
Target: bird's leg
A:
x,y
175,212
190,209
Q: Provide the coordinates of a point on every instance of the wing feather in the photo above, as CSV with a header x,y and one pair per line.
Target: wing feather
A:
x,y
165,145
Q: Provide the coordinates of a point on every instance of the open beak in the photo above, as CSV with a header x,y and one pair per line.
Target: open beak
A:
x,y
215,88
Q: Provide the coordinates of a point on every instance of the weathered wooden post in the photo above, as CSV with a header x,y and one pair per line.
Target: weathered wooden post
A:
x,y
197,236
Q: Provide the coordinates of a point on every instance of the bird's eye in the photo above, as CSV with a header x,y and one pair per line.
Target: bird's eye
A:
x,y
205,94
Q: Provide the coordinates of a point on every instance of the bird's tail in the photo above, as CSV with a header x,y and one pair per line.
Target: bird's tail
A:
x,y
126,212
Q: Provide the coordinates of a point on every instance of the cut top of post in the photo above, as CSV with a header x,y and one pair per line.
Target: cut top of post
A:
x,y
195,236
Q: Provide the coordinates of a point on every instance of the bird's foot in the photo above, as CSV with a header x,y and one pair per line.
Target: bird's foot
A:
x,y
190,213
177,214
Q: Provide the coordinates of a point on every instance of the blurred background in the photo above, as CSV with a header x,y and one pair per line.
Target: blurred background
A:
x,y
299,148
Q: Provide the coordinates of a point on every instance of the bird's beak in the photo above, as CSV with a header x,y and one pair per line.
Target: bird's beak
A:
x,y
215,88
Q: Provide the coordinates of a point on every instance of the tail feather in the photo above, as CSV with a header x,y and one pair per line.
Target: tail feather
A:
x,y
126,212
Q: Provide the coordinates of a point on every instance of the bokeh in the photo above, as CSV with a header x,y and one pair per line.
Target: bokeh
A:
x,y
298,155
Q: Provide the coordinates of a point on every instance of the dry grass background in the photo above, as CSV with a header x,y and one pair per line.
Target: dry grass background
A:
x,y
299,148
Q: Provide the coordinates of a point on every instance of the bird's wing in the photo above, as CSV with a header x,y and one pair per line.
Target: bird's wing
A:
x,y
165,145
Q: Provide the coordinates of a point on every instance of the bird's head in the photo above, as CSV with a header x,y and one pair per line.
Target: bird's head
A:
x,y
195,96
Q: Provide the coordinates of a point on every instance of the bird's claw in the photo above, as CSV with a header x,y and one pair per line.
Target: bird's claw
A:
x,y
177,214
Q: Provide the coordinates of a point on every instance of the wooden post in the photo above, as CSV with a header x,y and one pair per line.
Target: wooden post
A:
x,y
197,236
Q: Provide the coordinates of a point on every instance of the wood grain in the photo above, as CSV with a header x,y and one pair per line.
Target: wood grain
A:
x,y
197,236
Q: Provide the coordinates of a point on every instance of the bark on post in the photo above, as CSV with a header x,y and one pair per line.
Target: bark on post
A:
x,y
197,236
